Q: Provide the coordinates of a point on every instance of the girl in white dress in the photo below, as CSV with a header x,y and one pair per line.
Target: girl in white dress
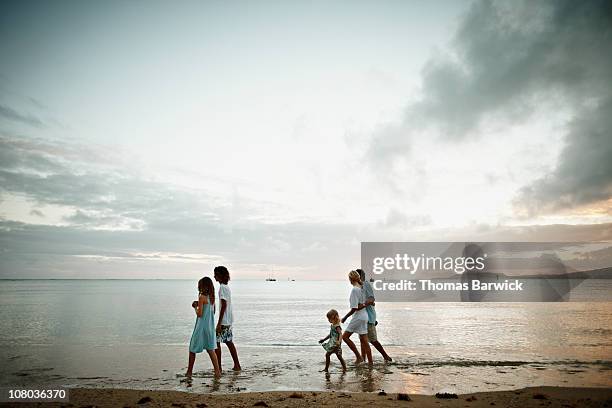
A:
x,y
359,321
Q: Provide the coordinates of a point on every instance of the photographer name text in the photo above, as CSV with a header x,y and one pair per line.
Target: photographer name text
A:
x,y
429,285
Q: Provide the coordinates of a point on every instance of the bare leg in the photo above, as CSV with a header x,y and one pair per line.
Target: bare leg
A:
x,y
365,347
218,353
192,357
362,349
327,361
381,350
215,362
341,361
346,336
234,353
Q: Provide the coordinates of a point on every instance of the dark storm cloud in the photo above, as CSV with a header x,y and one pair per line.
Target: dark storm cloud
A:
x,y
509,58
584,172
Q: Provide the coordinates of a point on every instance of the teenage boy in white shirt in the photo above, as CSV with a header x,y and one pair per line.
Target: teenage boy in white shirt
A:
x,y
226,317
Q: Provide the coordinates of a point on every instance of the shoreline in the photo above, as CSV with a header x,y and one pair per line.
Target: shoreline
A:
x,y
526,397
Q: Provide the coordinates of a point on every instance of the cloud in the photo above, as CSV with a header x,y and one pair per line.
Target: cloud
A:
x,y
103,220
115,215
584,173
118,223
12,115
37,213
125,225
103,194
157,256
508,60
397,219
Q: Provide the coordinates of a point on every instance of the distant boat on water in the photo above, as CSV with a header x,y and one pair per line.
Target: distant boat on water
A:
x,y
271,277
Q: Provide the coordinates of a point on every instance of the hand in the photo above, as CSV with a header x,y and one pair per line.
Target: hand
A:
x,y
321,341
343,320
194,304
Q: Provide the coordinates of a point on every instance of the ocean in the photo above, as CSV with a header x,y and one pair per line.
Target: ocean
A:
x,y
135,334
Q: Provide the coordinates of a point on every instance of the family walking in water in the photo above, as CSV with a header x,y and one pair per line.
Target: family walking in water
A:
x,y
363,321
208,336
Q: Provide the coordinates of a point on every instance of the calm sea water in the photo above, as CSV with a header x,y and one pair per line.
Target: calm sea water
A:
x,y
135,333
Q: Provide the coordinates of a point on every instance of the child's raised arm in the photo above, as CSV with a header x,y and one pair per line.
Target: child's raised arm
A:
x,y
324,338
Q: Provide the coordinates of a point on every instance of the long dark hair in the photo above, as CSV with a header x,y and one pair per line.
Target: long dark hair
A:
x,y
206,287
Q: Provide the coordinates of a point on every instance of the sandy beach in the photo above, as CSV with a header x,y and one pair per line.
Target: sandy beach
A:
x,y
527,397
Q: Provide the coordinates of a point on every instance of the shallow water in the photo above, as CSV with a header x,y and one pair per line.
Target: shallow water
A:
x,y
134,334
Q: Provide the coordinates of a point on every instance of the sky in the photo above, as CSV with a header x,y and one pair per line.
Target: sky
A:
x,y
159,139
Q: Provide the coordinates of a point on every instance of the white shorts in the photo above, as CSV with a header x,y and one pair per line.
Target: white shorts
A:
x,y
358,326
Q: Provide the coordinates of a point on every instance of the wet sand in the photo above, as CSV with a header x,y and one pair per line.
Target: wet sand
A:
x,y
566,397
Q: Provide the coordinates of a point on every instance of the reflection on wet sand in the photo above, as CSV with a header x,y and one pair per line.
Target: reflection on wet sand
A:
x,y
361,378
335,382
212,383
412,383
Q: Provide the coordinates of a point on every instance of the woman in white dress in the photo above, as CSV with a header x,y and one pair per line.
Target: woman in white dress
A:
x,y
359,321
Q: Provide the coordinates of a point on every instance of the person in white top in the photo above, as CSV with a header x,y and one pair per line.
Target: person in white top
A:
x,y
226,317
370,300
359,321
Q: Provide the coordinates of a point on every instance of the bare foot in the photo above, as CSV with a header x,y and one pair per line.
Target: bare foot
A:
x,y
237,368
217,374
388,359
323,370
358,360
